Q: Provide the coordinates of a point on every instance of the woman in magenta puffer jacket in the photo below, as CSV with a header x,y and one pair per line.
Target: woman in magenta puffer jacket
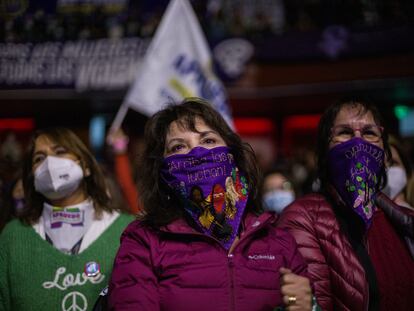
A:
x,y
355,240
203,242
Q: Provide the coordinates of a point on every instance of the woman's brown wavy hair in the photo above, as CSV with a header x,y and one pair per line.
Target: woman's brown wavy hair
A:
x,y
161,205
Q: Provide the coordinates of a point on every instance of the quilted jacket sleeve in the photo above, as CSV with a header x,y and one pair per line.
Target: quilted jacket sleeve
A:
x,y
299,221
294,259
133,284
401,217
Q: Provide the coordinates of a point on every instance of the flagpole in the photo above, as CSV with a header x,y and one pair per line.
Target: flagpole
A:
x,y
120,116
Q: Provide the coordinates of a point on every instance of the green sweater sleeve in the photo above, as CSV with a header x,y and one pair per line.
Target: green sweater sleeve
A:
x,y
4,286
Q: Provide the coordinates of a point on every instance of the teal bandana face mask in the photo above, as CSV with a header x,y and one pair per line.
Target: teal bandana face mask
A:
x,y
354,168
212,188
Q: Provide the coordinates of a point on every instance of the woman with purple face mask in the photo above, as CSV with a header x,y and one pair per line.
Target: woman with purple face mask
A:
x,y
356,241
204,242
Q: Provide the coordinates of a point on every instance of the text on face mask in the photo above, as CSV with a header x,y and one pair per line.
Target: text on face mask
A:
x,y
193,161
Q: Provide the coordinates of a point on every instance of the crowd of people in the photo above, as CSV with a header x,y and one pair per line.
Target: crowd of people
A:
x,y
32,22
200,227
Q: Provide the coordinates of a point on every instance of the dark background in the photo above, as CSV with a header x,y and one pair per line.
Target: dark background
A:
x,y
289,73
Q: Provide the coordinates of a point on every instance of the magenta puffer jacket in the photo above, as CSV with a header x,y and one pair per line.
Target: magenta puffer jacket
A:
x,y
179,269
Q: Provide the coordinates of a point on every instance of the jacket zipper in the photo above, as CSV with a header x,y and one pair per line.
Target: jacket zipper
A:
x,y
230,261
230,257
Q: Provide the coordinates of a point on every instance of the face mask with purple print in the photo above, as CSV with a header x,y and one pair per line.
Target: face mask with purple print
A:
x,y
213,190
354,168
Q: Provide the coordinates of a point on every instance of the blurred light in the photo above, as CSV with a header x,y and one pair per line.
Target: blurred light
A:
x,y
402,92
301,122
18,124
254,126
97,132
401,111
407,123
299,130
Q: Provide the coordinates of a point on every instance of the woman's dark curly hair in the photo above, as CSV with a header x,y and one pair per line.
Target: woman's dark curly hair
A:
x,y
324,135
161,205
94,184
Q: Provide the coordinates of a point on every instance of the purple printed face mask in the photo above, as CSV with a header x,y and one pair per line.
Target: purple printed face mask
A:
x,y
213,190
354,168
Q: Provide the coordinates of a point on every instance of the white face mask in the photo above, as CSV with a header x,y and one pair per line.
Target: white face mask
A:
x,y
57,177
396,181
277,200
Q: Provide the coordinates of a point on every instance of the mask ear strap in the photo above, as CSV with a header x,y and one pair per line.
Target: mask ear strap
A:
x,y
86,169
87,172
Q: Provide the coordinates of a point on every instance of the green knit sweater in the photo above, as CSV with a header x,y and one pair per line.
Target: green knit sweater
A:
x,y
36,276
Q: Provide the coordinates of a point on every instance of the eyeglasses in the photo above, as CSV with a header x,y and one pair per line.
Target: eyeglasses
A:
x,y
371,133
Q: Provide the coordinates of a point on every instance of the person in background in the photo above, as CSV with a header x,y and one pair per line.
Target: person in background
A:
x,y
410,190
13,201
303,170
278,190
118,141
58,254
11,150
399,173
203,241
114,189
355,239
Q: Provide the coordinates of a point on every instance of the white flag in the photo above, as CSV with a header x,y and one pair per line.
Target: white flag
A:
x,y
177,64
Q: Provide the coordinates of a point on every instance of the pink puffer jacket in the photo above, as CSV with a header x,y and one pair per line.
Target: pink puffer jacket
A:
x,y
180,269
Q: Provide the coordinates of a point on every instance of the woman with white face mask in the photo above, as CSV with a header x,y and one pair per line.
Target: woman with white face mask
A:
x,y
399,173
278,191
65,239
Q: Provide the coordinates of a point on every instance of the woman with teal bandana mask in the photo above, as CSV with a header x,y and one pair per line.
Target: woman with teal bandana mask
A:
x,y
356,241
204,242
